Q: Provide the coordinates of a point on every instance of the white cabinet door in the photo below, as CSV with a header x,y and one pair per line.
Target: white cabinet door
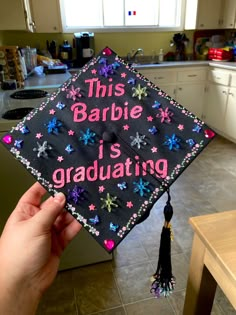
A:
x,y
209,13
214,110
230,117
46,16
191,97
229,11
16,15
169,89
203,14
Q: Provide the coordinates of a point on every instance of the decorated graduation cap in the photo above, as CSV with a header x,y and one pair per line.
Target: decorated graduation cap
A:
x,y
113,143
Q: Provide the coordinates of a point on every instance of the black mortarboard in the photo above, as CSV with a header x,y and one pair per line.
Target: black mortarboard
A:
x,y
112,142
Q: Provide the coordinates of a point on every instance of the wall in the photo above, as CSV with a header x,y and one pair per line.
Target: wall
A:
x,y
121,42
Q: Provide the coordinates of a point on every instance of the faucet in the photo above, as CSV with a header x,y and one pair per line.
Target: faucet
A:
x,y
132,56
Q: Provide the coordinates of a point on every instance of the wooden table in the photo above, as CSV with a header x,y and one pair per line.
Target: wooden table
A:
x,y
213,262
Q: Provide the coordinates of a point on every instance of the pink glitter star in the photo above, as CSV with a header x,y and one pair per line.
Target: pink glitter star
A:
x,y
101,189
154,149
129,204
94,71
71,132
123,75
52,112
39,135
60,159
126,127
181,127
149,118
92,207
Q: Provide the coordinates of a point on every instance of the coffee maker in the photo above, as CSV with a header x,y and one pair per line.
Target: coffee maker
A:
x,y
84,45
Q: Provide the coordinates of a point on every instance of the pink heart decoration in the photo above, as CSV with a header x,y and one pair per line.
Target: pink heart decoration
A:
x,y
7,139
109,244
209,133
107,51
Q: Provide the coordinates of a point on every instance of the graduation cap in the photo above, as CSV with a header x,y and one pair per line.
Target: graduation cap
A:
x,y
113,143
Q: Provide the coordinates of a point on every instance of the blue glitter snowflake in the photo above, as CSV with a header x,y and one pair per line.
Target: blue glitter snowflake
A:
x,y
87,137
141,187
76,194
53,126
172,142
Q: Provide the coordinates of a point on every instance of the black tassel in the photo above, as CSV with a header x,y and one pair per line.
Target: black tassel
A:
x,y
164,282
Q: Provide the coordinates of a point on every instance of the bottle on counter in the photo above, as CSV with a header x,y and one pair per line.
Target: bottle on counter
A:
x,y
161,55
65,51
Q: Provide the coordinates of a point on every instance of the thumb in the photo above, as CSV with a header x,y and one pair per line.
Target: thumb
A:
x,y
50,211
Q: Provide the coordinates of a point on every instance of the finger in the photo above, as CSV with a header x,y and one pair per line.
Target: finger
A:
x,y
33,195
50,211
64,219
69,232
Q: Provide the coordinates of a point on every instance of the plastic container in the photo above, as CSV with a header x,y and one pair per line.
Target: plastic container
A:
x,y
30,57
161,56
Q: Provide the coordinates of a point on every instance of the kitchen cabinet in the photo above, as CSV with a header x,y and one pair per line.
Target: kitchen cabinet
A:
x,y
220,105
191,97
203,14
186,86
228,14
16,15
230,116
215,106
46,16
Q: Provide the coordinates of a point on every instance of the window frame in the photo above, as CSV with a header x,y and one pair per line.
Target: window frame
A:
x,y
110,29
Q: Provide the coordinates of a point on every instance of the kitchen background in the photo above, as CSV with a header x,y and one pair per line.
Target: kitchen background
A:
x,y
121,42
121,286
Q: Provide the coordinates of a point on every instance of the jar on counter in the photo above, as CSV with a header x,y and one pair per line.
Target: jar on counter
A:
x,y
65,51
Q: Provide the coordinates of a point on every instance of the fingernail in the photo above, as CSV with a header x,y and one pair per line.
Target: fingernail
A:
x,y
60,197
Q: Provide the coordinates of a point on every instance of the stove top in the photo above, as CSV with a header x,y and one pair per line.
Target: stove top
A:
x,y
12,109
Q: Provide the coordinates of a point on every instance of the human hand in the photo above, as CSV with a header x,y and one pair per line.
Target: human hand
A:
x,y
31,244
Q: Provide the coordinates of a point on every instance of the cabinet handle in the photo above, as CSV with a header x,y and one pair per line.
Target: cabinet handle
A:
x,y
224,92
192,75
180,89
159,78
230,93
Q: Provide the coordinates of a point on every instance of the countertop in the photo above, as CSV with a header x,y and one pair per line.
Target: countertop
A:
x,y
229,65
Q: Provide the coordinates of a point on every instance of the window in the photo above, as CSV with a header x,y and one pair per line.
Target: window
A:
x,y
121,14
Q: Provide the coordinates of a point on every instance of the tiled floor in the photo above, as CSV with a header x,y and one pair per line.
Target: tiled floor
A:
x,y
122,287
